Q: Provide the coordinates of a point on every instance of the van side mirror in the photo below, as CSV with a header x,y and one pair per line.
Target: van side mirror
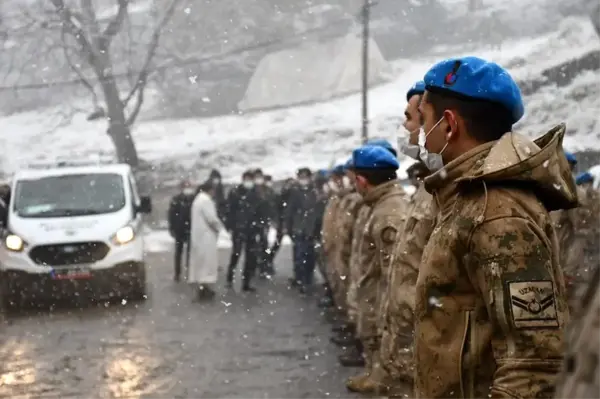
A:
x,y
145,205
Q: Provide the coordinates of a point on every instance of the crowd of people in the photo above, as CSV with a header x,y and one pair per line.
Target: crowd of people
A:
x,y
463,289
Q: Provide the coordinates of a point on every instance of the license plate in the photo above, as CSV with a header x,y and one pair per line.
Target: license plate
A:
x,y
72,273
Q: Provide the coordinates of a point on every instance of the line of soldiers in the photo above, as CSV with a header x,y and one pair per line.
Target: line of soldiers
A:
x,y
459,291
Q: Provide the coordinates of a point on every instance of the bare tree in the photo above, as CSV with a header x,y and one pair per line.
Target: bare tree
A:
x,y
86,41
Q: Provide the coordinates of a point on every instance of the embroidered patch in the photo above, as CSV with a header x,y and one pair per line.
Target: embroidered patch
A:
x,y
388,235
533,304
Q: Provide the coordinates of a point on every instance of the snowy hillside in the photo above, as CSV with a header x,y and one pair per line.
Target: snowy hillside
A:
x,y
280,141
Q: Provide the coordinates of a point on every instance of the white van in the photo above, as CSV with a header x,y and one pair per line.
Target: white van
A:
x,y
73,230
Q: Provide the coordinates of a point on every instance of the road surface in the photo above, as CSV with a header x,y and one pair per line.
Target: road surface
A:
x,y
273,344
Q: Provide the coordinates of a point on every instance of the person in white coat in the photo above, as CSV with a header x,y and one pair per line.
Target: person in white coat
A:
x,y
204,253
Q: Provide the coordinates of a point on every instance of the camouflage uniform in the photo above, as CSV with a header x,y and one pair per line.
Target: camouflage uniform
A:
x,y
580,377
381,232
358,229
578,235
490,301
330,240
397,313
346,216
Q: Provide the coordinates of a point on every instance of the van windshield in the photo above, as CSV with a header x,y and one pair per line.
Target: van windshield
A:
x,y
69,195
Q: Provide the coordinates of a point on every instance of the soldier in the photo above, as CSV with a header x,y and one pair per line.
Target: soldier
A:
x,y
346,216
374,169
397,313
355,357
490,308
577,231
578,379
329,241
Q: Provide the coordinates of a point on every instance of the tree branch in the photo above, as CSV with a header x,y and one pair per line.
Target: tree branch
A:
x,y
77,71
114,26
75,29
140,84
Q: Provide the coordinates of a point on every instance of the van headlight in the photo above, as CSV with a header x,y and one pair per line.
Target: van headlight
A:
x,y
124,235
14,243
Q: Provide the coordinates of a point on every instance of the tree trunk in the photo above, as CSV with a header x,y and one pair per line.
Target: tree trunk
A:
x,y
118,130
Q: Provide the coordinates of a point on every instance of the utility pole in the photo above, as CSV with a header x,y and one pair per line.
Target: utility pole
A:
x,y
365,70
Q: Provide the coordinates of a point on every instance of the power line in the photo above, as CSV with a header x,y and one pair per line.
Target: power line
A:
x,y
194,61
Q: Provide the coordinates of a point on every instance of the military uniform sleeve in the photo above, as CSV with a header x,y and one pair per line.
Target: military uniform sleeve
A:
x,y
386,230
511,266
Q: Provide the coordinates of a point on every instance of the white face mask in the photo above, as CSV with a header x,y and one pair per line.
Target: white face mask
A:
x,y
408,149
346,182
269,184
432,161
259,181
332,186
304,182
188,191
248,184
216,180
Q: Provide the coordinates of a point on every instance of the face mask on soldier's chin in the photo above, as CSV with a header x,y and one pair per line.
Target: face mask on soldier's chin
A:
x,y
410,150
433,161
216,180
346,182
248,184
259,181
188,191
303,182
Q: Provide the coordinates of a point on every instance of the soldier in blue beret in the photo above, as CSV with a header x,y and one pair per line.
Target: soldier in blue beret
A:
x,y
490,274
571,159
374,169
383,143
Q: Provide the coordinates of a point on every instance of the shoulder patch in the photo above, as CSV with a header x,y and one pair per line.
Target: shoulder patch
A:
x,y
389,234
533,304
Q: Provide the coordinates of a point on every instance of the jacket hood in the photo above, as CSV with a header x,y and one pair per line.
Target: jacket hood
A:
x,y
214,174
539,164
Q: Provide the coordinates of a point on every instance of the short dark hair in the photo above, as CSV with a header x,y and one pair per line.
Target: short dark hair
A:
x,y
258,171
304,171
375,177
268,178
248,174
485,120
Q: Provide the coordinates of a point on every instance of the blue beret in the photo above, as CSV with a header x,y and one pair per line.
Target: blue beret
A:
x,y
570,157
585,177
382,143
322,172
349,164
417,88
338,169
476,78
374,157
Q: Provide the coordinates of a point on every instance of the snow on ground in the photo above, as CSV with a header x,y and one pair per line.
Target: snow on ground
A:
x,y
317,135
161,241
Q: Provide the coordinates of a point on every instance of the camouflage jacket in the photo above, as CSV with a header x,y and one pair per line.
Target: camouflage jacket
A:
x,y
381,233
398,304
348,211
491,308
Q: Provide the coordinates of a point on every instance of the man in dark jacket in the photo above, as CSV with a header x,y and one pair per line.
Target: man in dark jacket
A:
x,y
179,223
264,217
216,181
281,202
245,228
302,226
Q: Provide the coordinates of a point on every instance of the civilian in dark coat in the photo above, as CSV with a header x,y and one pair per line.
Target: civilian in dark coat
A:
x,y
215,180
244,222
302,223
179,223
